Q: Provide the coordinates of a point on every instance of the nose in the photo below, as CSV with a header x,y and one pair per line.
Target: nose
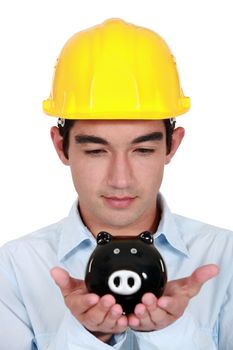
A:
x,y
124,282
120,172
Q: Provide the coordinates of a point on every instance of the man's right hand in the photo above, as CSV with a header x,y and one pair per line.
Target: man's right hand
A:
x,y
100,315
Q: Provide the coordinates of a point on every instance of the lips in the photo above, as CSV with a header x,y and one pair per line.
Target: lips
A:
x,y
119,202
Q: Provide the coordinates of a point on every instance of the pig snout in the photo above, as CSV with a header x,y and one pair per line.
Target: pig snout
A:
x,y
124,282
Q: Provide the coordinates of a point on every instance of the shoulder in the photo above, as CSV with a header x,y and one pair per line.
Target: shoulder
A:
x,y
42,241
202,234
200,227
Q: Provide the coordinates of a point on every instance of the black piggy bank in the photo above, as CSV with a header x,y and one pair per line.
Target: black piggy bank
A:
x,y
126,267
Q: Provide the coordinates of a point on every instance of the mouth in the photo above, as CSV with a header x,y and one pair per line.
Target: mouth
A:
x,y
119,202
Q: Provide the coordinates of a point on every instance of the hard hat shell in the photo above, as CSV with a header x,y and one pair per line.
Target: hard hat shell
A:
x,y
116,70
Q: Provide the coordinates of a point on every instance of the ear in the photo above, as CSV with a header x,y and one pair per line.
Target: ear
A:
x,y
103,238
177,138
146,237
57,142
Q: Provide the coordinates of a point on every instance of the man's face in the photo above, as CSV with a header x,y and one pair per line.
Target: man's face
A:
x,y
117,169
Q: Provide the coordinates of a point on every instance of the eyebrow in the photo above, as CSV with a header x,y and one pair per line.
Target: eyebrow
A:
x,y
84,139
154,136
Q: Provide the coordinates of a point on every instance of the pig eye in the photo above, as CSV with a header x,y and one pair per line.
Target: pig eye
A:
x,y
116,251
133,251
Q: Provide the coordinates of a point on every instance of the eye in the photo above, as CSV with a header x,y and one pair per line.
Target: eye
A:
x,y
116,251
144,151
95,152
133,251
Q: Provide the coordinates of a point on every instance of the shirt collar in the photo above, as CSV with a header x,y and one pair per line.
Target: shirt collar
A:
x,y
168,229
74,232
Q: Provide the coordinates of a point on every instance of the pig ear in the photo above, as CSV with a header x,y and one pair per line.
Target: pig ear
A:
x,y
103,238
146,237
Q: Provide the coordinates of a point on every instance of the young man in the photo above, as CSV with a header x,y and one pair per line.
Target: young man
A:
x,y
115,88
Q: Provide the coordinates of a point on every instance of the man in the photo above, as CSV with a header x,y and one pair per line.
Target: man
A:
x,y
115,89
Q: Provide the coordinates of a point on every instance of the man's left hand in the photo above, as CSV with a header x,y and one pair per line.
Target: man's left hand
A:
x,y
155,314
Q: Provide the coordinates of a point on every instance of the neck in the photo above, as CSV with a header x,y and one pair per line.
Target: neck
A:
x,y
150,223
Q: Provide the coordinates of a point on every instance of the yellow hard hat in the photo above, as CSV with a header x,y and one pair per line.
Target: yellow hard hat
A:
x,y
116,70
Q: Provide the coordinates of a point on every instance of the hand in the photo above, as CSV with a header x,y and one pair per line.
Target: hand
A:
x,y
100,315
154,314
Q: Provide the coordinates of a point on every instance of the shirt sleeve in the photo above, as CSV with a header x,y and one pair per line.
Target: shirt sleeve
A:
x,y
225,336
16,331
182,334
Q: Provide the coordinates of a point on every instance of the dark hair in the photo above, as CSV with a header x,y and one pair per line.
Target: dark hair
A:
x,y
169,127
65,126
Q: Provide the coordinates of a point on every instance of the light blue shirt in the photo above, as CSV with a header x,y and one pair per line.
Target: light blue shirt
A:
x,y
32,310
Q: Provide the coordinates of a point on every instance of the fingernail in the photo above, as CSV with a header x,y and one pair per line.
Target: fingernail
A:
x,y
163,303
141,312
107,303
149,300
93,300
114,313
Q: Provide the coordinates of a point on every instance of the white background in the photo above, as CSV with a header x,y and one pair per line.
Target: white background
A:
x,y
35,189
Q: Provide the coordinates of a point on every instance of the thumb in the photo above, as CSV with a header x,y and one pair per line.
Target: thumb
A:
x,y
200,276
65,282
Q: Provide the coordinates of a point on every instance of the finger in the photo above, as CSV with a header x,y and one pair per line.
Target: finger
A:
x,y
140,317
114,321
190,286
122,323
173,306
145,322
204,273
150,301
159,317
133,321
200,276
162,319
66,283
80,304
96,316
106,317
